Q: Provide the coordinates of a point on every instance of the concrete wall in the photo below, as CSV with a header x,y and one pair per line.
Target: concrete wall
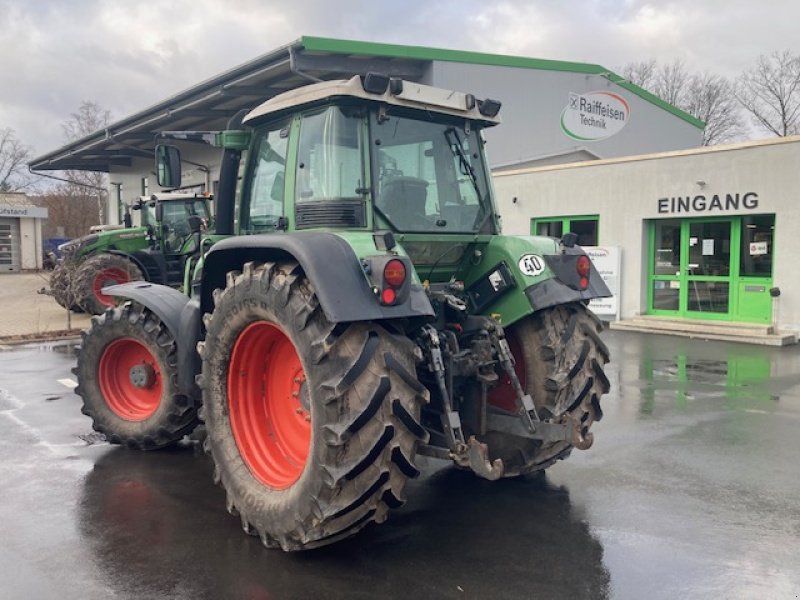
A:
x,y
626,192
533,101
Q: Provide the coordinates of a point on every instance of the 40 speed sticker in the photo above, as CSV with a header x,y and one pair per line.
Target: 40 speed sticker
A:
x,y
531,264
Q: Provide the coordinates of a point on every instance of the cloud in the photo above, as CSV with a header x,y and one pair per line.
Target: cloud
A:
x,y
126,56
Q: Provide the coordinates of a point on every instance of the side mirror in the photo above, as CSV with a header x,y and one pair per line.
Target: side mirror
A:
x,y
168,166
160,210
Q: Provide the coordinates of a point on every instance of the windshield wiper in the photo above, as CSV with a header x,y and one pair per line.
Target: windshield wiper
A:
x,y
457,147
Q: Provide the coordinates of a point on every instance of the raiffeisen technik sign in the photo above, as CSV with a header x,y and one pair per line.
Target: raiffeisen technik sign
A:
x,y
594,116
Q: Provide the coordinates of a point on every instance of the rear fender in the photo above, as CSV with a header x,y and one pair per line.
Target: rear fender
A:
x,y
519,275
181,316
329,262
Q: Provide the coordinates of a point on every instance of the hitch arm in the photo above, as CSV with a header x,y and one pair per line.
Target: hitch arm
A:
x,y
451,422
525,406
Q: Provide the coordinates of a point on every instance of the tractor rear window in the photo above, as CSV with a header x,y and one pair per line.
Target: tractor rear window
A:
x,y
430,176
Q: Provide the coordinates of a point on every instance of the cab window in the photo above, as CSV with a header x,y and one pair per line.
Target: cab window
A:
x,y
263,202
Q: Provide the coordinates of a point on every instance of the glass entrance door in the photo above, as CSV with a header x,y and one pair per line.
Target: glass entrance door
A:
x,y
707,271
692,263
712,268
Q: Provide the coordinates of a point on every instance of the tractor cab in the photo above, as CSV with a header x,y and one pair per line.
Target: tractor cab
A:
x,y
371,153
175,225
172,219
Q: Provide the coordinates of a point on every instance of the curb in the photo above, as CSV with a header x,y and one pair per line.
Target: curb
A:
x,y
50,336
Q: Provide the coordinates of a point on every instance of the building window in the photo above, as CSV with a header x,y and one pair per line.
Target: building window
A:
x,y
586,227
756,248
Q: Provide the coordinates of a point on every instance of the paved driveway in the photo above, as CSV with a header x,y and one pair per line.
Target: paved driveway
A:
x,y
691,490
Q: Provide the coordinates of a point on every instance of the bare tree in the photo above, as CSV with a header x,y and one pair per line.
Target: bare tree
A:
x,y
770,92
641,73
14,157
711,99
668,82
671,82
706,96
69,215
89,117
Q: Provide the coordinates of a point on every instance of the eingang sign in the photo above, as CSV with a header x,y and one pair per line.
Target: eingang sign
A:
x,y
594,116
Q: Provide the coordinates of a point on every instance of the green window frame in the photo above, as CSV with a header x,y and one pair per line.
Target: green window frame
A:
x,y
566,223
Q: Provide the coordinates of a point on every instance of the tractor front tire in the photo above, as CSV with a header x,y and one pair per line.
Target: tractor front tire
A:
x,y
560,360
97,272
312,427
127,377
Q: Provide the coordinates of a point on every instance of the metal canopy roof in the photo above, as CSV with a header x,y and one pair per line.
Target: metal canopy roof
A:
x,y
210,104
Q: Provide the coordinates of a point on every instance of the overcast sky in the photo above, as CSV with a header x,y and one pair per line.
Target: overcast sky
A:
x,y
129,55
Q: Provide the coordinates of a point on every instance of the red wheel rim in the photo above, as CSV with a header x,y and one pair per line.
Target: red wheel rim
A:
x,y
503,395
106,277
130,379
268,405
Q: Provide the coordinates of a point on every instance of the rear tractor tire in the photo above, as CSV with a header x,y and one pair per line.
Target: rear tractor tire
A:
x,y
127,377
559,360
97,272
312,427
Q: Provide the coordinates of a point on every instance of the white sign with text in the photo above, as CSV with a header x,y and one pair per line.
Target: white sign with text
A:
x,y
608,262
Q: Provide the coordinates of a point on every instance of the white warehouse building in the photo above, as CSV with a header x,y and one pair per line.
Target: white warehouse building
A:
x,y
704,237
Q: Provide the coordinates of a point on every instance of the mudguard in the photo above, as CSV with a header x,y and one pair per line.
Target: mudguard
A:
x,y
522,274
565,287
182,317
328,261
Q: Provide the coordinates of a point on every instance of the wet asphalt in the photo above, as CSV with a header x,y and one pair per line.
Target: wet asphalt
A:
x,y
691,490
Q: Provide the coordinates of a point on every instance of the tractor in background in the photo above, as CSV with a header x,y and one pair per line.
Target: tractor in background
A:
x,y
158,250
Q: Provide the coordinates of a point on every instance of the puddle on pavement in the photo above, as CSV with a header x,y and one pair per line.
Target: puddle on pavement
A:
x,y
744,376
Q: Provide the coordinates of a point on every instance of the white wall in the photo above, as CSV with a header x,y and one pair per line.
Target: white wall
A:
x,y
533,100
626,192
30,242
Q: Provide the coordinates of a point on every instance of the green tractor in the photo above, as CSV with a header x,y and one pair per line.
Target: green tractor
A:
x,y
158,251
365,310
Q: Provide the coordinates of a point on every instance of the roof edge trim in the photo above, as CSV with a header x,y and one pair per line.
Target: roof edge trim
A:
x,y
337,46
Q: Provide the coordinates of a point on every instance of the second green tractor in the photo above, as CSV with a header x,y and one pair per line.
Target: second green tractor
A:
x,y
162,249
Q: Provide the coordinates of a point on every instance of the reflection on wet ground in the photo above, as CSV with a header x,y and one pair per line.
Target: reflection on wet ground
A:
x,y
690,490
155,535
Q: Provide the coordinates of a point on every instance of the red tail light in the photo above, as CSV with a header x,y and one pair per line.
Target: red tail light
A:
x,y
394,273
388,296
583,266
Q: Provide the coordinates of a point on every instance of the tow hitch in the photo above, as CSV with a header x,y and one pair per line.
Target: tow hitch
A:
x,y
445,361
